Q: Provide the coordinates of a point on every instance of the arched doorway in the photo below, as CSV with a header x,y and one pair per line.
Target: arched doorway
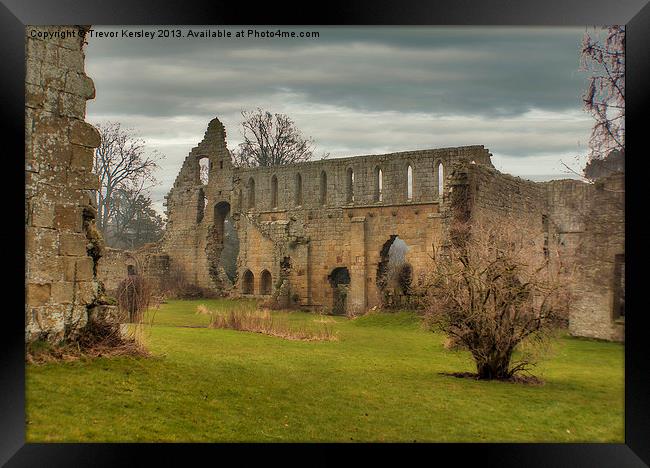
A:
x,y
394,274
266,283
339,279
247,282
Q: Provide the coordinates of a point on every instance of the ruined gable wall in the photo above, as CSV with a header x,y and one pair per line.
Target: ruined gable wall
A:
x,y
188,235
62,243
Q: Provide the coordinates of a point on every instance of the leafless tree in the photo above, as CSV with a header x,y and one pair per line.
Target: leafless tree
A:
x,y
134,221
271,140
603,56
494,292
121,162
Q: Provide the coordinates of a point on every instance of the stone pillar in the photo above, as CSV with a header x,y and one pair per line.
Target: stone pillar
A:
x,y
61,240
358,297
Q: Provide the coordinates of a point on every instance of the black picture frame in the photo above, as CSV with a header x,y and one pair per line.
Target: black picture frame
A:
x,y
16,14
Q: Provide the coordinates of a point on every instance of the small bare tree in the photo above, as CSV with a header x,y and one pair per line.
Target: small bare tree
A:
x,y
603,55
271,140
492,290
121,162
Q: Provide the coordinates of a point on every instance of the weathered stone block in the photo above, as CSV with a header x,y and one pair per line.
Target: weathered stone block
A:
x,y
71,59
42,214
34,96
82,179
106,314
84,134
73,244
68,218
72,105
86,292
80,84
62,292
38,294
85,269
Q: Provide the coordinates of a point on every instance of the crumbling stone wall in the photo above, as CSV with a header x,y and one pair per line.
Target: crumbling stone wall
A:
x,y
582,224
62,243
598,311
311,217
306,224
116,265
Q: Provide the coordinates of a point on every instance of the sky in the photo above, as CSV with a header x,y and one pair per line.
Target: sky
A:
x,y
355,90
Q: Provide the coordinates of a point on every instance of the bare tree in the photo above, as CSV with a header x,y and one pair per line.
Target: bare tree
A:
x,y
134,221
271,140
603,55
121,162
494,292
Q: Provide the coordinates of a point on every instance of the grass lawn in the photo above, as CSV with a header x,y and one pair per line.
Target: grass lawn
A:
x,y
380,381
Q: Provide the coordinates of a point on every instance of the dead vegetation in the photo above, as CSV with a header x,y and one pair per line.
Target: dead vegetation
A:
x,y
495,293
96,339
262,321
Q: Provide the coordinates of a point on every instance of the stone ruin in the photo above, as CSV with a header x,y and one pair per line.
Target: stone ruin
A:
x,y
316,235
62,244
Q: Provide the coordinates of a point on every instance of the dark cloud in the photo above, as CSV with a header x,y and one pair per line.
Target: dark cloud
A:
x,y
356,90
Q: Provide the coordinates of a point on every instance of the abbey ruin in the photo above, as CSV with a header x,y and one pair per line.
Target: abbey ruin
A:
x,y
315,235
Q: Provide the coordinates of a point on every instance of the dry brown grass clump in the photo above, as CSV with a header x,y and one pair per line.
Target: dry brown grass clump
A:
x,y
264,322
94,340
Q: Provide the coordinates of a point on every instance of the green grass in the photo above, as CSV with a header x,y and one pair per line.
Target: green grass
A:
x,y
379,382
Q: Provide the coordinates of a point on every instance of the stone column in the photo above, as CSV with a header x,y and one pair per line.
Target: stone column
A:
x,y
358,297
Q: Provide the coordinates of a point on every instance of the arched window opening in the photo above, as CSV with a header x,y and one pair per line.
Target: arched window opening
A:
x,y
247,282
265,283
409,183
379,184
221,212
298,200
204,170
323,188
274,192
441,179
349,186
251,193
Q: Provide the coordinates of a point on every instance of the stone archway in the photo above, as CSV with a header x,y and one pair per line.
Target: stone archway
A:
x,y
222,248
339,279
394,273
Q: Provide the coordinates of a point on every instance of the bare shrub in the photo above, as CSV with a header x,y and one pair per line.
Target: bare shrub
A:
x,y
493,292
134,296
176,285
264,322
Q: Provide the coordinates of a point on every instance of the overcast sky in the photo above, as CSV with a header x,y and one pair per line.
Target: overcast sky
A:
x,y
361,90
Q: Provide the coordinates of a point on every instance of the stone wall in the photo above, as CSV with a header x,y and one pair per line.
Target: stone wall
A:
x,y
306,230
116,265
600,287
311,218
583,226
62,244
